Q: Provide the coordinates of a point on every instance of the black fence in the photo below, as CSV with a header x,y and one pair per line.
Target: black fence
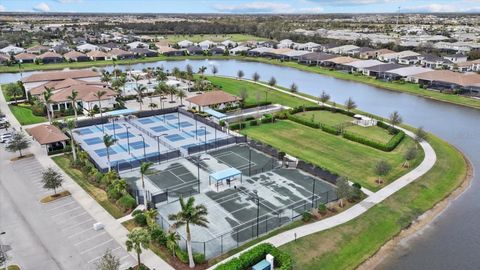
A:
x,y
152,157
254,228
215,144
91,122
262,147
318,172
142,114
201,119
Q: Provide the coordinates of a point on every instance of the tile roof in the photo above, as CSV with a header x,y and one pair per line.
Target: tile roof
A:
x,y
213,98
60,75
45,134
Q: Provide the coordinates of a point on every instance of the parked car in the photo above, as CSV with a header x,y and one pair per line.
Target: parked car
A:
x,y
5,137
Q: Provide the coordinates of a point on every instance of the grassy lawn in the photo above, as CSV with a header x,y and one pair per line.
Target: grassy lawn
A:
x,y
25,116
98,194
348,245
375,133
339,155
234,87
213,37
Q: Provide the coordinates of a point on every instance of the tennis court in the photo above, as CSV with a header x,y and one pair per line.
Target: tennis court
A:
x,y
175,178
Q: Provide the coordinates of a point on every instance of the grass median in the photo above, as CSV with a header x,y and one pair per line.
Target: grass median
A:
x,y
25,116
348,245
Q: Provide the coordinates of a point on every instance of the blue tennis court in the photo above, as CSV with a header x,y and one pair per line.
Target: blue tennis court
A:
x,y
174,137
123,135
185,124
110,126
146,121
159,128
103,152
138,145
189,145
170,116
200,132
118,149
84,131
92,141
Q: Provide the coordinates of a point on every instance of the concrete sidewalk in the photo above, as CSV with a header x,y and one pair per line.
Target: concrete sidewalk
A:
x,y
356,210
113,227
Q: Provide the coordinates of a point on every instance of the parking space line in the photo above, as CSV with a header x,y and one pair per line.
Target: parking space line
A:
x,y
63,205
65,212
94,247
72,217
124,257
80,232
89,238
97,258
78,224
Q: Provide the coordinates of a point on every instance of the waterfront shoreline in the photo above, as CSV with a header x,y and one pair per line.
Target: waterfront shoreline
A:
x,y
421,223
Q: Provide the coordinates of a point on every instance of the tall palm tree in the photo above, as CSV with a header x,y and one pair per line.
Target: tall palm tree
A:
x,y
99,94
190,214
106,77
73,99
161,76
140,89
143,170
70,127
181,94
172,90
151,216
136,78
138,239
109,141
160,90
47,95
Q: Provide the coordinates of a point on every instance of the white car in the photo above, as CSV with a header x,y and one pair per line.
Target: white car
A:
x,y
5,137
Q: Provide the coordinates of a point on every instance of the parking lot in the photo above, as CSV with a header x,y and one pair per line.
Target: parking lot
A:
x,y
73,223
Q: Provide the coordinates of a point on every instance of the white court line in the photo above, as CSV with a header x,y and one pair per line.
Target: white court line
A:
x,y
78,224
80,232
94,247
63,205
68,211
96,258
89,238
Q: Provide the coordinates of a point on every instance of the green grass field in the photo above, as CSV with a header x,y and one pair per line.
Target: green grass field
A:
x,y
213,37
234,87
25,116
339,155
348,245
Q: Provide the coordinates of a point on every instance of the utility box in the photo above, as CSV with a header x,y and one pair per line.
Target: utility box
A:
x,y
269,258
98,226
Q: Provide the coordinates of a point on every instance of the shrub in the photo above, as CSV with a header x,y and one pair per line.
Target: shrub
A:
x,y
181,255
237,126
307,217
330,129
221,123
253,123
302,121
283,261
389,146
126,202
140,219
357,185
322,208
281,115
199,258
158,236
113,194
136,212
249,118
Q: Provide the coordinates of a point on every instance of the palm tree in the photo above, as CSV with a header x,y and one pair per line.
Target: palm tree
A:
x,y
324,97
272,82
188,69
293,88
151,216
70,127
138,239
256,77
240,74
160,90
73,100
140,89
350,104
181,94
106,77
47,95
214,70
143,170
172,90
202,70
395,119
161,76
99,94
171,241
190,214
137,78
109,141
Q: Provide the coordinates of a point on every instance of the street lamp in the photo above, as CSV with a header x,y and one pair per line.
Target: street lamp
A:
x,y
257,198
144,150
313,192
249,161
128,137
158,144
205,140
113,121
198,159
196,129
178,118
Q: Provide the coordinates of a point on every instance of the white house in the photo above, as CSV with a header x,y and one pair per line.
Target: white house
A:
x,y
138,44
285,43
10,49
87,47
238,50
206,44
185,44
229,44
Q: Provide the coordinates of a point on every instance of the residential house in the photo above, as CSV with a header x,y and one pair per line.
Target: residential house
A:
x,y
338,62
98,55
109,46
25,57
229,44
344,50
74,56
169,51
359,66
259,51
206,44
213,99
360,51
10,49
446,80
50,57
217,51
405,73
61,48
87,47
315,58
456,58
38,49
238,50
120,54
435,62
375,54
393,57
268,44
381,71
195,50
185,44
144,52
309,46
4,59
138,44
285,43
469,66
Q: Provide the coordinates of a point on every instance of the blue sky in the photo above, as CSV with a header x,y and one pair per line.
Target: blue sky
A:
x,y
240,6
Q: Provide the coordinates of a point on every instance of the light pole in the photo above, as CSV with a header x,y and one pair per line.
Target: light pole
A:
x,y
178,118
198,169
144,150
313,193
258,208
158,145
205,140
113,121
215,137
196,129
128,138
249,161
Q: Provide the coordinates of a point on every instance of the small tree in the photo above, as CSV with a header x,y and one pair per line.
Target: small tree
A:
x,y
18,142
420,135
143,170
151,216
324,97
293,88
52,179
240,74
409,155
140,89
382,168
256,77
214,70
272,82
70,127
350,104
343,189
109,141
47,95
138,239
243,95
73,99
395,119
108,262
171,241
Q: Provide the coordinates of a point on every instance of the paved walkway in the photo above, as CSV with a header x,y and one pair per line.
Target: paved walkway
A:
x,y
358,209
112,226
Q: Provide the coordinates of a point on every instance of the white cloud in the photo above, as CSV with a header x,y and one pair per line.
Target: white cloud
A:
x,y
2,8
41,7
264,7
443,8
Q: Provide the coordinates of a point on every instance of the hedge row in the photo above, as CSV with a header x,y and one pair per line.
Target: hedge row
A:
x,y
67,149
389,146
282,260
327,128
320,108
